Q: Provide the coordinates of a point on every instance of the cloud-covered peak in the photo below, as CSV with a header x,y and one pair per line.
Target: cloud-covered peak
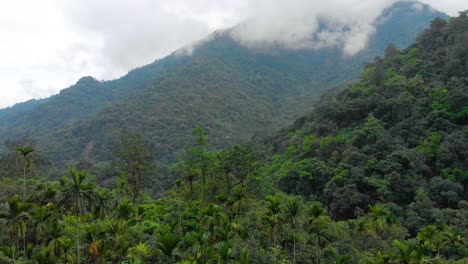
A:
x,y
304,24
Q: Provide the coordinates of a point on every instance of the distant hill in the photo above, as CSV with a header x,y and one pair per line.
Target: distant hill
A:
x,y
232,91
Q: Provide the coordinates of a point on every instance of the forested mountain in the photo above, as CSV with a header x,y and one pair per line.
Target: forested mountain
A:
x,y
376,174
230,90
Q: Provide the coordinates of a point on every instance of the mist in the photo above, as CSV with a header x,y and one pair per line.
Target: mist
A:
x,y
303,24
48,46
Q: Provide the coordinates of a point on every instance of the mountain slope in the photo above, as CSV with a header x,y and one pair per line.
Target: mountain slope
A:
x,y
397,136
232,91
376,173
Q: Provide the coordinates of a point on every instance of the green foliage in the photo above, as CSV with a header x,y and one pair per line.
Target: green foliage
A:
x,y
377,177
135,161
218,87
430,146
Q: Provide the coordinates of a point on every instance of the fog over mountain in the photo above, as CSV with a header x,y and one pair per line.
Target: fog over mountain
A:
x,y
57,42
217,84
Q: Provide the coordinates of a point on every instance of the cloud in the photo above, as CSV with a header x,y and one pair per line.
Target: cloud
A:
x,y
129,34
451,7
301,24
53,43
418,7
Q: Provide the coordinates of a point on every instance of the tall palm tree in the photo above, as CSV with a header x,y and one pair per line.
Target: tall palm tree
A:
x,y
55,240
318,224
225,252
272,218
76,194
25,151
40,215
293,210
167,242
14,215
200,246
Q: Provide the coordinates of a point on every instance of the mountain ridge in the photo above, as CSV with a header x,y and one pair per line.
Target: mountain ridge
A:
x,y
276,86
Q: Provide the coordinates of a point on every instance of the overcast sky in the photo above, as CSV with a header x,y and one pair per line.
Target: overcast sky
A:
x,y
48,45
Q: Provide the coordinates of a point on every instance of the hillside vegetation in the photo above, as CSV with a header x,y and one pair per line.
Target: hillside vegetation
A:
x,y
376,173
232,91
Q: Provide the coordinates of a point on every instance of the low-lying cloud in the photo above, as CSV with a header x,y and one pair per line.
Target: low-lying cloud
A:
x,y
48,45
303,24
130,34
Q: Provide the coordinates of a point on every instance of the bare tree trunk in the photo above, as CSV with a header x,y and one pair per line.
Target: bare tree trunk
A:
x,y
24,184
24,242
228,185
318,250
77,243
191,189
294,249
78,230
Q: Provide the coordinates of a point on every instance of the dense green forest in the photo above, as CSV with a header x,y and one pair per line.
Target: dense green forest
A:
x,y
217,87
376,173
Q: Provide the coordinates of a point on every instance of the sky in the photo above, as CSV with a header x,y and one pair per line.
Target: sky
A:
x,y
46,46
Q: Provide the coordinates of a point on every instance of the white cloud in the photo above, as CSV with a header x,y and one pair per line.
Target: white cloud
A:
x,y
418,7
297,24
451,7
48,45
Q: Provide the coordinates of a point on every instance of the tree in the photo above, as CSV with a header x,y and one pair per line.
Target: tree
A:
x,y
378,258
135,160
236,162
56,241
407,251
25,151
433,238
272,218
293,210
198,158
318,224
167,242
339,258
77,194
14,215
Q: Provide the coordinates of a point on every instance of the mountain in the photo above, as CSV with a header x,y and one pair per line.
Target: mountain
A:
x,y
229,89
399,135
375,173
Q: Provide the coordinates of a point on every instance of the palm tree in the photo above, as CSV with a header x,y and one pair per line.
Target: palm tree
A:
x,y
293,209
381,217
56,241
454,237
378,258
338,258
272,222
126,209
272,218
167,242
200,246
15,216
75,194
434,238
318,224
25,151
407,251
40,215
239,195
225,252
